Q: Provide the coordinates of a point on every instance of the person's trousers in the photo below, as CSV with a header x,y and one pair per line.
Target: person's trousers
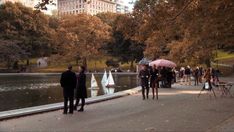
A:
x,y
71,105
143,91
154,86
188,79
82,102
196,80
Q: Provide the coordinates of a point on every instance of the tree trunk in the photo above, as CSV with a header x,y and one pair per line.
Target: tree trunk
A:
x,y
207,62
8,64
27,62
95,65
77,60
85,62
131,66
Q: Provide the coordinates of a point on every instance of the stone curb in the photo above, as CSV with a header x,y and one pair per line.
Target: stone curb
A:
x,y
36,74
57,106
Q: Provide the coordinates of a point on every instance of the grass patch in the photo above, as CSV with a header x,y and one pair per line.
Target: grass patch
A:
x,y
224,55
98,65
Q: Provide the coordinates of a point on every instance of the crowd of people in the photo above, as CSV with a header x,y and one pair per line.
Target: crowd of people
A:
x,y
163,77
197,74
155,77
151,77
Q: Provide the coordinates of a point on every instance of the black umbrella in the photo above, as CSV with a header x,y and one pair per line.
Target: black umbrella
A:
x,y
144,61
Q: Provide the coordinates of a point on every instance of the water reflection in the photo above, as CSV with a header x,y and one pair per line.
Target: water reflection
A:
x,y
20,91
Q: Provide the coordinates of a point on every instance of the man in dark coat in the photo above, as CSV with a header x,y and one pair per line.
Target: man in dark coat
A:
x,y
163,74
169,77
144,75
196,76
81,91
68,82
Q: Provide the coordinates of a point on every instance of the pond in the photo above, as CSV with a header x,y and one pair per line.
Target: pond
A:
x,y
27,90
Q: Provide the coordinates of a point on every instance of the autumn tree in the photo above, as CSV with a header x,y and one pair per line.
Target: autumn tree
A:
x,y
84,35
122,46
26,29
185,31
10,52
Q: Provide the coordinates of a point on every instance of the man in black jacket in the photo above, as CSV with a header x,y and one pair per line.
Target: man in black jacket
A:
x,y
68,82
144,76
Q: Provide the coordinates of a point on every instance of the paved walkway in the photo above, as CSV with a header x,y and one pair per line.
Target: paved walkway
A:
x,y
178,109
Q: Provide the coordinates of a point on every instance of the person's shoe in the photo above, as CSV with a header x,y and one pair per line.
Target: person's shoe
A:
x,y
153,97
81,110
75,107
64,113
143,98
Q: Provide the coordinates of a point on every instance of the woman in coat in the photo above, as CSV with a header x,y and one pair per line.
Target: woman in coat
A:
x,y
154,80
207,78
81,91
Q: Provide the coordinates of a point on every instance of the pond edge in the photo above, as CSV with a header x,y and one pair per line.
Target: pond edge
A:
x,y
57,106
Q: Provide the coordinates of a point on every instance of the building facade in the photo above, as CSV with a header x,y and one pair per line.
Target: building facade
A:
x,y
121,7
93,7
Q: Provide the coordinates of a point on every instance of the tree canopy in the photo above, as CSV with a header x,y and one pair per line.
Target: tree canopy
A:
x,y
83,36
185,31
122,47
25,30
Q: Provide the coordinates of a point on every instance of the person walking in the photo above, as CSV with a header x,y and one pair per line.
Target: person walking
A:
x,y
216,76
200,74
196,76
144,76
187,73
174,72
154,80
163,73
68,83
81,91
169,77
181,75
207,77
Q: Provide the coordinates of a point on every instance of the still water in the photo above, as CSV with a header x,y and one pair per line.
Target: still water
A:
x,y
27,90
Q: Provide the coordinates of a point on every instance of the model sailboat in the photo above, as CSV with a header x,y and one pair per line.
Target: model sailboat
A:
x,y
94,86
110,84
104,82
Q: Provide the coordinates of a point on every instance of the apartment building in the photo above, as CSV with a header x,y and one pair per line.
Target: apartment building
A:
x,y
92,7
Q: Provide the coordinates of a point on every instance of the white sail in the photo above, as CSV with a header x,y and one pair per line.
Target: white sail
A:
x,y
111,90
103,82
110,80
94,84
104,78
94,92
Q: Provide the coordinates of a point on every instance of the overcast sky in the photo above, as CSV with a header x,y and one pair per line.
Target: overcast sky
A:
x,y
127,3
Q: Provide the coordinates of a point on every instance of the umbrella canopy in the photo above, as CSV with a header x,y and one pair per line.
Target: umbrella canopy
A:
x,y
144,61
163,63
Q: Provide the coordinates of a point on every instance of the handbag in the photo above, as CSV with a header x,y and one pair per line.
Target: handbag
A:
x,y
207,86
